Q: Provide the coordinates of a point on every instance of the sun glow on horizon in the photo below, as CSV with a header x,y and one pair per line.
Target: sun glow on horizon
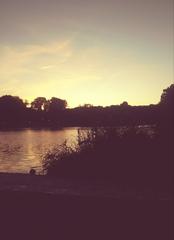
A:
x,y
121,53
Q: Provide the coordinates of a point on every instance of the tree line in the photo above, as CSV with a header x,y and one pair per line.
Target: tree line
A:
x,y
15,112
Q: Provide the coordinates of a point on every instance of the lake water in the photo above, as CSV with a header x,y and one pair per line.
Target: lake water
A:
x,y
23,149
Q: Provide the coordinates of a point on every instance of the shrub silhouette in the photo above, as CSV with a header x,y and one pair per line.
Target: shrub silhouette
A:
x,y
130,156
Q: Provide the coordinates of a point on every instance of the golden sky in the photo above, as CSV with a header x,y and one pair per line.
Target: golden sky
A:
x,y
101,52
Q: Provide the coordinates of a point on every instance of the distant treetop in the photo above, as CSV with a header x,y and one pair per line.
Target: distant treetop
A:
x,y
11,103
167,97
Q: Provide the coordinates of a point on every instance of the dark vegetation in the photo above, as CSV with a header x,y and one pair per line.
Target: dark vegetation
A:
x,y
14,112
132,156
128,155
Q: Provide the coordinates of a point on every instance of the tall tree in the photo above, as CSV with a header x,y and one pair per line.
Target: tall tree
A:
x,y
167,97
167,110
57,104
39,103
10,104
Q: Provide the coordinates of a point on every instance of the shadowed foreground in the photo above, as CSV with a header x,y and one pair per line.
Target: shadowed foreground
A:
x,y
34,215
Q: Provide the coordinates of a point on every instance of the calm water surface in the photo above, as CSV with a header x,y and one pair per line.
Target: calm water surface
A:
x,y
23,149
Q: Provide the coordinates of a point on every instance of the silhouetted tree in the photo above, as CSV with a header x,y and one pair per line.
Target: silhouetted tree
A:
x,y
167,97
57,104
53,112
12,111
124,104
10,103
87,105
167,111
39,103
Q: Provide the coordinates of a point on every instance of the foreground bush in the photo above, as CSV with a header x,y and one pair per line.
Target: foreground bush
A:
x,y
130,156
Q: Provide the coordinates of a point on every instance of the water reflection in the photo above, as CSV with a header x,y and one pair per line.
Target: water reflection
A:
x,y
23,149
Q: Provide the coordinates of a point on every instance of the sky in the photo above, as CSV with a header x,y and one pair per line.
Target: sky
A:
x,y
101,52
